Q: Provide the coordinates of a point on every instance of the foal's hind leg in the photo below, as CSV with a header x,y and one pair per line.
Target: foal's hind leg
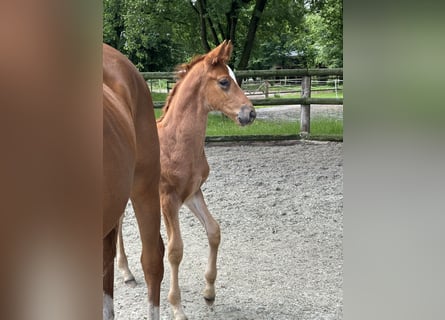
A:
x,y
121,257
170,210
198,206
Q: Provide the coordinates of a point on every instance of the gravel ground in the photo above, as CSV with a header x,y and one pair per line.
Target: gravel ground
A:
x,y
292,112
280,208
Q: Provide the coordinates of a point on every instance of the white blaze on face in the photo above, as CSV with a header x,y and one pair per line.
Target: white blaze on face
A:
x,y
232,74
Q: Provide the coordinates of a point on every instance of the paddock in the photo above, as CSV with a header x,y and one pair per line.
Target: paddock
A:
x,y
280,208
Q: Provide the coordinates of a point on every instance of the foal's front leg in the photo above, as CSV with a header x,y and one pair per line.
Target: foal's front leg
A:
x,y
198,206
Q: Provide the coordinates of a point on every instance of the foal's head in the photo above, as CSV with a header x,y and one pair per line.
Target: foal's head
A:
x,y
219,89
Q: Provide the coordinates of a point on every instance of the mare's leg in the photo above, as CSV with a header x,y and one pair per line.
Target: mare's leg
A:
x,y
121,258
109,251
198,206
145,199
170,210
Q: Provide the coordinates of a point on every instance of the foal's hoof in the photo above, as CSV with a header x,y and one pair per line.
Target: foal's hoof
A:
x,y
130,283
209,295
179,315
209,302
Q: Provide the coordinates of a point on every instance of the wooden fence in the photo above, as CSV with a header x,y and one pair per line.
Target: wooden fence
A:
x,y
305,100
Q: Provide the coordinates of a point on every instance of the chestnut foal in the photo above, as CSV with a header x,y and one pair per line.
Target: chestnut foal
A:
x,y
205,84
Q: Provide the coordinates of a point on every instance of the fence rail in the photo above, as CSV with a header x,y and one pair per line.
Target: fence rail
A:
x,y
283,101
305,100
259,73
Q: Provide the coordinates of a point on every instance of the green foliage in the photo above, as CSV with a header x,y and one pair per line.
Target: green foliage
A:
x,y
113,23
159,34
276,34
146,31
310,35
325,24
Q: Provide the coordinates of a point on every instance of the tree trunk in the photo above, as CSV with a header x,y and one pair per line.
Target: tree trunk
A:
x,y
202,19
213,31
253,25
232,18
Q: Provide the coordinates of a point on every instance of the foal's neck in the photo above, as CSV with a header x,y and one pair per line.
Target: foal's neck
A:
x,y
186,119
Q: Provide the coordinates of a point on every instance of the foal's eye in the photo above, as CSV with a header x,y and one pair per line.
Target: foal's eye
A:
x,y
224,83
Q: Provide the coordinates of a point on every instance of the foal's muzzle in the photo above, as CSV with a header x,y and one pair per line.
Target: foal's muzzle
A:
x,y
246,115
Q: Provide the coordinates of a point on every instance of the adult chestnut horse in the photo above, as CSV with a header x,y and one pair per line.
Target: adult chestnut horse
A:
x,y
131,169
205,84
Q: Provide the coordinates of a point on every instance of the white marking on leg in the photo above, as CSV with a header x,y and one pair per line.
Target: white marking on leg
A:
x,y
153,312
107,311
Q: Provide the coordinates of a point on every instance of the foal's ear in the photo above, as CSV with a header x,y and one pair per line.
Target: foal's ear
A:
x,y
221,54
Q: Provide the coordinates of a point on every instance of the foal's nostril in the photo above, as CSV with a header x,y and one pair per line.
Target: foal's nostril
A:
x,y
246,115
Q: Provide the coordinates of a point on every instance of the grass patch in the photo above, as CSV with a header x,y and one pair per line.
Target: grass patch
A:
x,y
327,94
218,125
324,126
321,127
159,96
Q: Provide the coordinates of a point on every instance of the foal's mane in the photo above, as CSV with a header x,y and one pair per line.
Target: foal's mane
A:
x,y
181,71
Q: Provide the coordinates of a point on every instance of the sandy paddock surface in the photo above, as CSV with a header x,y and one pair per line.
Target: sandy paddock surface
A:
x,y
292,112
280,211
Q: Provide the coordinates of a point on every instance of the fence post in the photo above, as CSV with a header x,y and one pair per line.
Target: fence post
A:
x,y
266,90
336,85
305,113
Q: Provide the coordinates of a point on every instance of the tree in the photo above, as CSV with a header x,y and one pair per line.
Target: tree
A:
x,y
158,34
113,23
253,26
325,22
141,29
282,25
219,21
276,24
